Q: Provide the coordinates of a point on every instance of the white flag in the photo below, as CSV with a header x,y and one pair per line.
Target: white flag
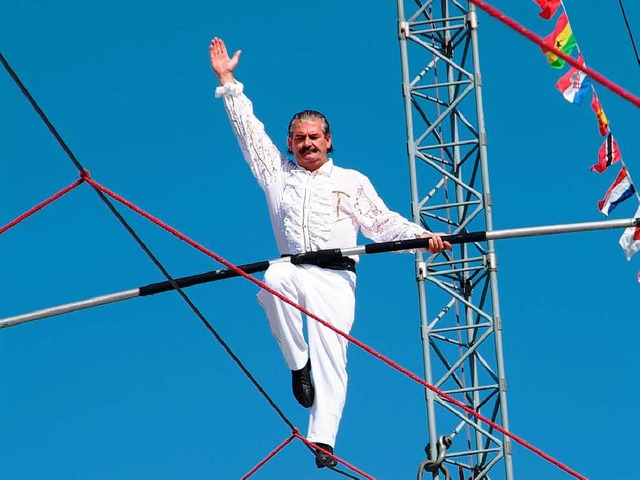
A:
x,y
630,240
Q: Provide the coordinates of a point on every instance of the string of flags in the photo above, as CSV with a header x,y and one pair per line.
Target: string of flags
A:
x,y
576,87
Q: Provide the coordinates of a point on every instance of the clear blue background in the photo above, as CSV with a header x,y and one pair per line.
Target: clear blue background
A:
x,y
140,390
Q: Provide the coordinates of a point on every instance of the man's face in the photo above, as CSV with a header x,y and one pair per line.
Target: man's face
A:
x,y
309,145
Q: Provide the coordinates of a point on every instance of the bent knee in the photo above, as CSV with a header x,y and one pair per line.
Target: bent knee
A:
x,y
280,275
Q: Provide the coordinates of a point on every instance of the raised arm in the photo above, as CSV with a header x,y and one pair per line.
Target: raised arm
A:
x,y
223,65
263,157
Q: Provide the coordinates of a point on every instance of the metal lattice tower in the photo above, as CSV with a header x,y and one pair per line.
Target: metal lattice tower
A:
x,y
461,333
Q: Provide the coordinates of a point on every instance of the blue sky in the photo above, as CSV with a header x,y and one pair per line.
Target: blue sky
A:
x,y
140,389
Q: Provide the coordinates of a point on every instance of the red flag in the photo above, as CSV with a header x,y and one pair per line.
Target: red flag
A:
x,y
608,154
549,7
603,122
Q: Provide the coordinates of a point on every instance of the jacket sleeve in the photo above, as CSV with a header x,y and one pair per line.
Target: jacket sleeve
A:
x,y
376,221
263,157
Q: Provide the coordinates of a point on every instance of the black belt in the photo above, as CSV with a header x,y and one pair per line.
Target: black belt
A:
x,y
340,263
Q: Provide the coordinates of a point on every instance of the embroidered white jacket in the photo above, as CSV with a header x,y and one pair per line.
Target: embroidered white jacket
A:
x,y
310,211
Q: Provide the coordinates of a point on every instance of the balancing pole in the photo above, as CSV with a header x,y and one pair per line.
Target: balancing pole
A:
x,y
319,258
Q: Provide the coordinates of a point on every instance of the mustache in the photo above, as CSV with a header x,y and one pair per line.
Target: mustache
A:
x,y
304,150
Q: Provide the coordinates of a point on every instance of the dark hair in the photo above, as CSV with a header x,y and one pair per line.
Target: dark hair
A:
x,y
307,115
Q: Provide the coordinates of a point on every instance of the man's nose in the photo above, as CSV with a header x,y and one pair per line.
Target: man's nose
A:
x,y
307,142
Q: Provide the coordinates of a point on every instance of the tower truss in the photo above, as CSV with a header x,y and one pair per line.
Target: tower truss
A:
x,y
461,328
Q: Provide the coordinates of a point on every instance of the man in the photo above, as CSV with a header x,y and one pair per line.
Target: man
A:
x,y
313,205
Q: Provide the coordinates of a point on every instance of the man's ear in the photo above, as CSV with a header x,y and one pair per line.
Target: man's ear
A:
x,y
289,144
329,141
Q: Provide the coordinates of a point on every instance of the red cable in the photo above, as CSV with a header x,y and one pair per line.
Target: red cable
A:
x,y
348,465
270,456
497,14
353,340
40,206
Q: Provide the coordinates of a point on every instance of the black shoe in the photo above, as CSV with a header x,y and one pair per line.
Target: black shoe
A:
x,y
324,460
303,386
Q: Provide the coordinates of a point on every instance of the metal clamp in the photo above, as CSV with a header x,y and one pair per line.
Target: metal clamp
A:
x,y
428,465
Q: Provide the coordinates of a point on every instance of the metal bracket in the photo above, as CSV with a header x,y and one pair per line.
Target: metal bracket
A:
x,y
421,270
493,261
403,30
503,384
472,20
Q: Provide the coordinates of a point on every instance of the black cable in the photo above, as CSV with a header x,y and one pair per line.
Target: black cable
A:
x,y
142,245
344,473
195,309
626,22
44,118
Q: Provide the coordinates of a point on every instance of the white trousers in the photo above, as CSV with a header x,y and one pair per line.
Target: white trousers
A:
x,y
330,295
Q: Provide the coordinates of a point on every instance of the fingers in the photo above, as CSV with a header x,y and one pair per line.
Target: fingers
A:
x,y
437,245
217,47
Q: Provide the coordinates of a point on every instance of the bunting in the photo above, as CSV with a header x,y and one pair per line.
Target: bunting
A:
x,y
630,240
608,154
575,85
618,192
562,38
549,7
603,122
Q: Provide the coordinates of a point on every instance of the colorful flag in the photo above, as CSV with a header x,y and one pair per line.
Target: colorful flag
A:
x,y
608,154
603,122
549,7
562,38
618,192
575,85
630,241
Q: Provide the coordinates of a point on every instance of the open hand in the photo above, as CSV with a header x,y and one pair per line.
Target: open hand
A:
x,y
223,65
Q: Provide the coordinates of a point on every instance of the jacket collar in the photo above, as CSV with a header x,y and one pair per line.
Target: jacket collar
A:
x,y
325,169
